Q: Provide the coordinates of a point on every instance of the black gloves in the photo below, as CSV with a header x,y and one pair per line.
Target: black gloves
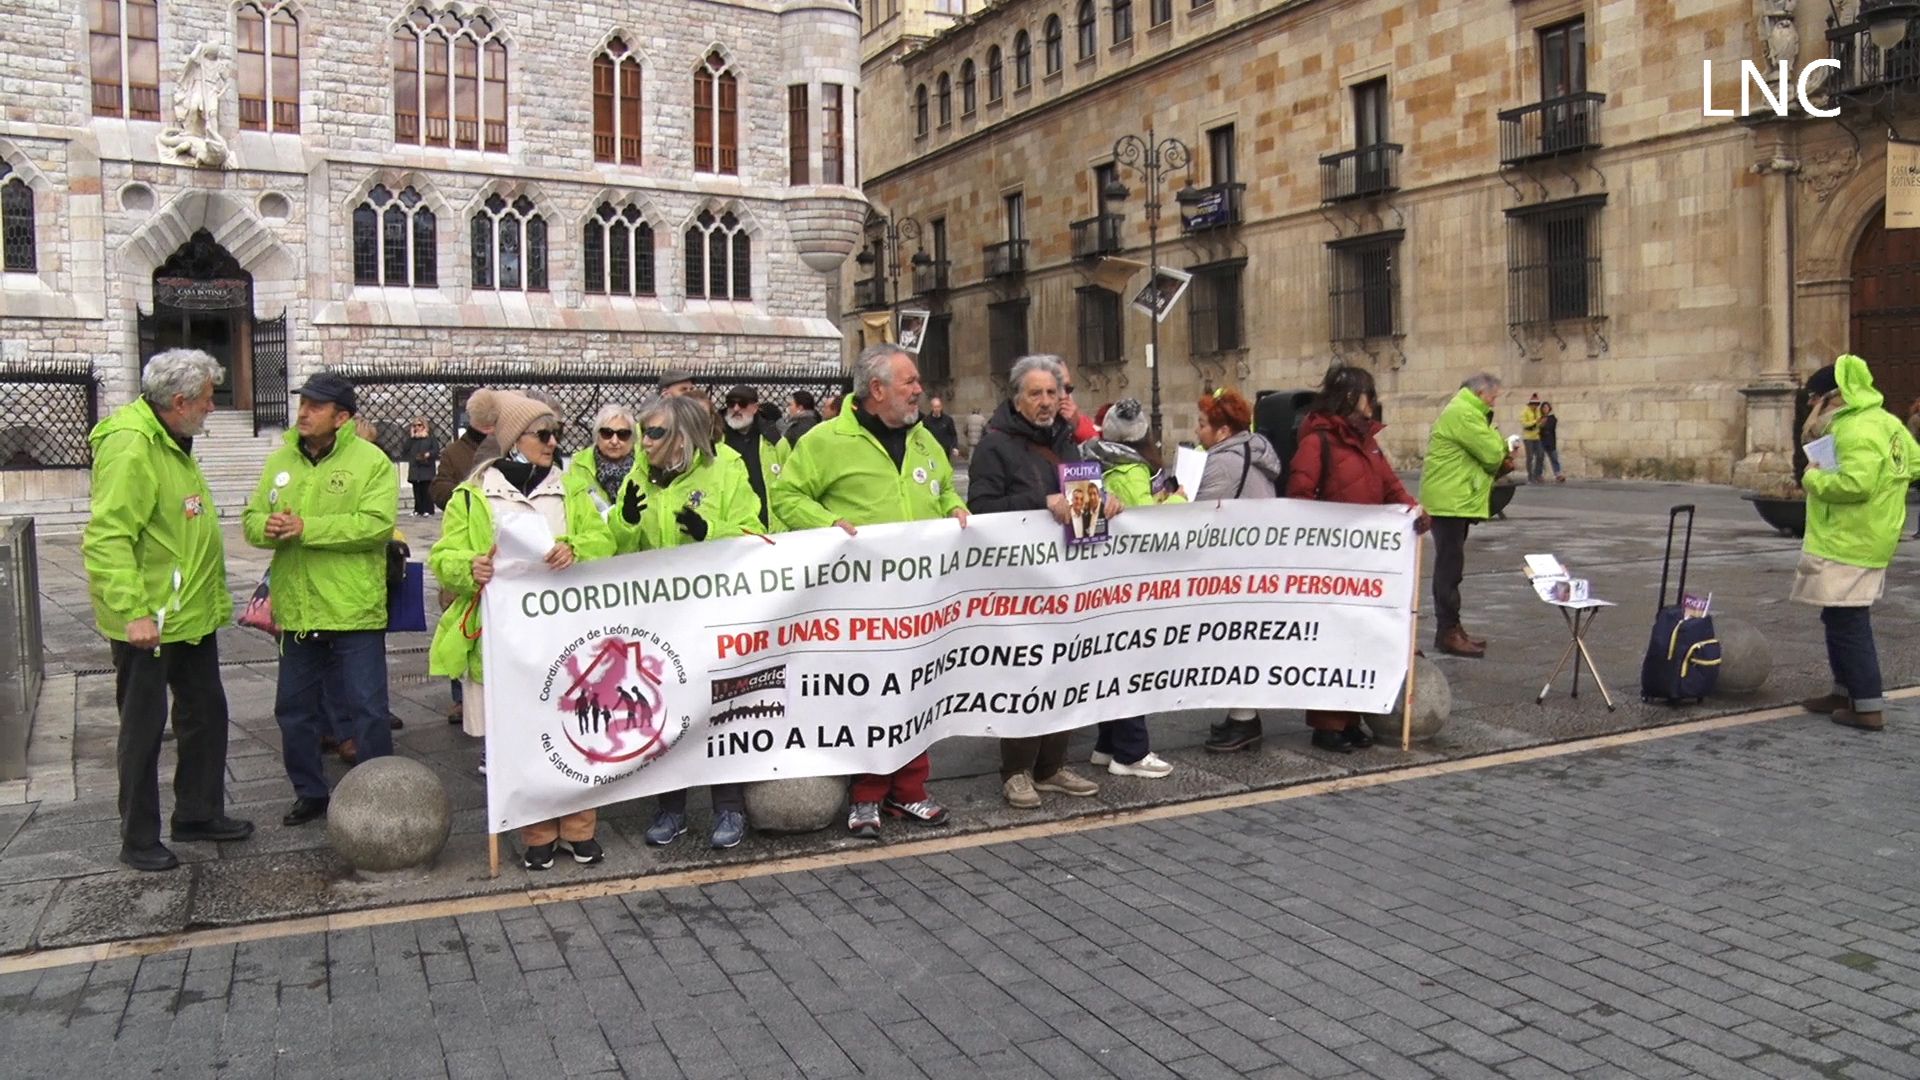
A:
x,y
633,503
692,523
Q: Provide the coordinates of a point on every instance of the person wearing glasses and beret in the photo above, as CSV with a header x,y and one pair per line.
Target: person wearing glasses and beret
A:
x,y
523,481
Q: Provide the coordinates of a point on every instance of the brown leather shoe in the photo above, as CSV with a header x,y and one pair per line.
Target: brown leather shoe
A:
x,y
348,751
1865,721
1455,642
1825,703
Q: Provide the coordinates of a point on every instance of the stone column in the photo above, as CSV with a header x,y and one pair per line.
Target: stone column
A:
x,y
1770,436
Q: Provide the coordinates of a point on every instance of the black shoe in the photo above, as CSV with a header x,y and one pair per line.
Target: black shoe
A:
x,y
586,852
151,859
1333,742
538,857
304,810
1234,736
219,830
1357,737
394,723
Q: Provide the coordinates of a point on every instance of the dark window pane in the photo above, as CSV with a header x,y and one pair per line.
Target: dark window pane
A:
x,y
643,260
366,245
16,222
717,265
511,254
537,254
426,263
480,239
742,266
394,245
696,246
593,256
620,272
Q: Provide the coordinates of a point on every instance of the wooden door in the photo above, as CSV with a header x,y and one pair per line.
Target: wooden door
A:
x,y
1885,325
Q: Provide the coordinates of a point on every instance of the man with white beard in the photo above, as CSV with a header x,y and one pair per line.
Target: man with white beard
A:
x,y
758,444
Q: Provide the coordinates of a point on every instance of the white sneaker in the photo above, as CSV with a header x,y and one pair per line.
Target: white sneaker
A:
x,y
1152,767
1098,759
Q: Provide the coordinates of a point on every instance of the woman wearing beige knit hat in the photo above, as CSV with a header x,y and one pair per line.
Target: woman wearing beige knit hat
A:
x,y
522,480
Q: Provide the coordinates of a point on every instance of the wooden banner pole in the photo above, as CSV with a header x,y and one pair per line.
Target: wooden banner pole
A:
x,y
1413,648
493,854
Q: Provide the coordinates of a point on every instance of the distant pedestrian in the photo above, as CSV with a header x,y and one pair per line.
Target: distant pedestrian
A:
x,y
1550,439
830,408
1530,437
423,457
1240,465
940,425
157,576
524,481
1854,517
677,383
1338,459
325,506
1465,453
802,414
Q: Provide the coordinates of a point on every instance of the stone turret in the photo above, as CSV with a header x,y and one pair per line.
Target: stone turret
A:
x,y
821,50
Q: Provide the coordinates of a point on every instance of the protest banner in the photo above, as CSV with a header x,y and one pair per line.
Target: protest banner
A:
x,y
824,654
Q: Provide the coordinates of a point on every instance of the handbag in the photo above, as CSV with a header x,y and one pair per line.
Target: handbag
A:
x,y
407,600
258,614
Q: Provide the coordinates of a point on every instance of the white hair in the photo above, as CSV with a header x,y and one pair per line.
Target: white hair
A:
x,y
1482,382
1027,365
610,412
875,363
185,372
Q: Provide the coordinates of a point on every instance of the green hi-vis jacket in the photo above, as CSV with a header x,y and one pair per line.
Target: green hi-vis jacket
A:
x,y
839,471
716,490
1855,512
1463,454
333,576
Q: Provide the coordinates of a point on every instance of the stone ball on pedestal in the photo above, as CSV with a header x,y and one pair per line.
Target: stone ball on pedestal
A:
x,y
1432,704
802,804
1746,656
387,814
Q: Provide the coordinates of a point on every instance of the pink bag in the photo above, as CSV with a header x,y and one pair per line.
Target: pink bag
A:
x,y
258,614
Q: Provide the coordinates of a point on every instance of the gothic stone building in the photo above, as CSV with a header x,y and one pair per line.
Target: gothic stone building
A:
x,y
415,191
1425,187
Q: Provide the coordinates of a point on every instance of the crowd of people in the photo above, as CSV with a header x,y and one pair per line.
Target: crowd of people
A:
x,y
672,471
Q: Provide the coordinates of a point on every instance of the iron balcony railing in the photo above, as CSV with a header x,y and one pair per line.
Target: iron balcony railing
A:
x,y
870,292
1361,173
1864,65
930,277
1097,235
1216,207
1562,125
1005,259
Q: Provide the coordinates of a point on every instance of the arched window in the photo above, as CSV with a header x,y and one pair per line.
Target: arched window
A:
x,y
716,116
920,109
617,250
267,46
449,82
616,104
509,246
968,99
719,258
16,223
123,44
1022,61
393,240
945,96
996,76
1050,37
1087,31
1122,21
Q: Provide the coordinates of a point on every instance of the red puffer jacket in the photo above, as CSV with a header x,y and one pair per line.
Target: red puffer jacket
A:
x,y
1358,471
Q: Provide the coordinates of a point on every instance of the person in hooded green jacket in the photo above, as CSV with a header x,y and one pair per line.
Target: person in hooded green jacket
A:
x,y
1855,513
1465,454
325,506
600,469
157,576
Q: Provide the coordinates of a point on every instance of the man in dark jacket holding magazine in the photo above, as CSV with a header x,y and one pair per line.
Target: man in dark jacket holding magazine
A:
x,y
1016,466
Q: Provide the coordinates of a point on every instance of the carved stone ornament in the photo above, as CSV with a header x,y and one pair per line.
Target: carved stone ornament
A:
x,y
1783,43
1826,170
194,138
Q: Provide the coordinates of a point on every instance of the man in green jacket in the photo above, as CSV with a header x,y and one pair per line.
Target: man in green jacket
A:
x,y
1855,511
157,574
325,506
1464,455
874,463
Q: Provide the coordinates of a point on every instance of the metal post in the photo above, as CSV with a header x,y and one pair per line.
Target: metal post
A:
x,y
1147,157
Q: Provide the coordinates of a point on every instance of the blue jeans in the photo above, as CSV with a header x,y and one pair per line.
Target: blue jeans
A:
x,y
1126,739
1852,656
1553,455
339,672
1536,461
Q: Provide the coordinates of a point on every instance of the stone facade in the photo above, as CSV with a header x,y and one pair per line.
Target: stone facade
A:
x,y
1699,262
110,206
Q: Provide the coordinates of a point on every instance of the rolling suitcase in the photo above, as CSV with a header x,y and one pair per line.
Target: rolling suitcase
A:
x,y
1683,654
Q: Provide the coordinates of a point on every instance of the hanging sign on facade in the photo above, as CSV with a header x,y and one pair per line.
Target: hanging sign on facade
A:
x,y
216,294
1903,184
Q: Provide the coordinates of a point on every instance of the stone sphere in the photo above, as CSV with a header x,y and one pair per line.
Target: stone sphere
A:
x,y
1746,657
1432,704
802,804
389,814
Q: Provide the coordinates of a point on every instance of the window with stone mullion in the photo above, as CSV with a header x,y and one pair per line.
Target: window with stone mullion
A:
x,y
393,240
719,263
123,44
616,105
509,246
617,249
17,252
267,45
449,82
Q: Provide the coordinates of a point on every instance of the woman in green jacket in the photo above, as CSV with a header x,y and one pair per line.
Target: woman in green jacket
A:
x,y
1855,511
687,496
523,482
600,469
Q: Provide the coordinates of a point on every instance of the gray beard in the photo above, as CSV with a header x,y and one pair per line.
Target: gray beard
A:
x,y
739,423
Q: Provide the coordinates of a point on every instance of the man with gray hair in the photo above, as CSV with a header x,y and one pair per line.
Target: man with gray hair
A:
x,y
872,464
157,574
1465,454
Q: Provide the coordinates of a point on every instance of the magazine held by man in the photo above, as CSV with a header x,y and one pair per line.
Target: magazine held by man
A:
x,y
1086,496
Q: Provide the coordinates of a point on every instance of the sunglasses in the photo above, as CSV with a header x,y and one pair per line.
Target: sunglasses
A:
x,y
622,434
546,435
656,433
1069,388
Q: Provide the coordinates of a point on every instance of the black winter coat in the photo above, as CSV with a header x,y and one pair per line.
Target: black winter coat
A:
x,y
423,455
1009,471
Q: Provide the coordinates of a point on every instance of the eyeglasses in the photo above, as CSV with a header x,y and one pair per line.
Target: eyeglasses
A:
x,y
622,434
546,435
656,433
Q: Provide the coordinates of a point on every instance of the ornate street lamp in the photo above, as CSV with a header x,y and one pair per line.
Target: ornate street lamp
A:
x,y
1887,21
897,230
1152,158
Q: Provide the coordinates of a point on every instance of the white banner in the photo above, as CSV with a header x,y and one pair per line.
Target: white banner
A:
x,y
822,654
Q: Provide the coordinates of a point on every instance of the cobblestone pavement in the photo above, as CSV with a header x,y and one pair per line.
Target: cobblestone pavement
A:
x,y
1724,904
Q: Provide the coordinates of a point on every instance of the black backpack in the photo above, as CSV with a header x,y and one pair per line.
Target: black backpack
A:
x,y
1683,654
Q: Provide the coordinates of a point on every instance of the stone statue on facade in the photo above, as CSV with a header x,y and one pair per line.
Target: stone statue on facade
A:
x,y
1779,34
195,138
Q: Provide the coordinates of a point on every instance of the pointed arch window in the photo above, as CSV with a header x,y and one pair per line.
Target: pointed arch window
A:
x,y
267,46
17,233
123,46
393,240
509,245
449,82
616,104
716,117
719,258
617,250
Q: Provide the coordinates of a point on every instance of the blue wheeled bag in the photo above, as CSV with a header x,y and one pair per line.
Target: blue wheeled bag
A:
x,y
1683,654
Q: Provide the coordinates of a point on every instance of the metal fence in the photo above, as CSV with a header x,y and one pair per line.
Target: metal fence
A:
x,y
22,658
46,412
391,400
